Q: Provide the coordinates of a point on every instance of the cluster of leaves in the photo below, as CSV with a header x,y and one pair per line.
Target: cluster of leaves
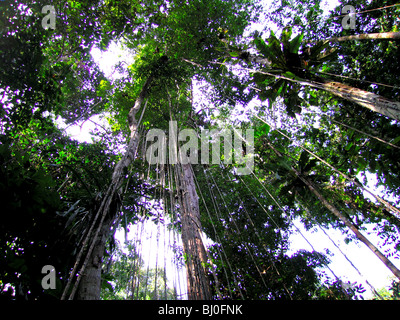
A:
x,y
393,293
288,66
31,227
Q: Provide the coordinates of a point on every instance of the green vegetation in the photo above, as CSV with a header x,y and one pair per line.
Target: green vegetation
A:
x,y
325,115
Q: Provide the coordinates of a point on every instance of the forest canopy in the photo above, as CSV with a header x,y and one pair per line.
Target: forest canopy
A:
x,y
226,129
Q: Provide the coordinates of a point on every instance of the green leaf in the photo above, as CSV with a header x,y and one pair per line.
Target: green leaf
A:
x,y
259,78
234,54
362,164
396,140
264,95
289,75
285,163
275,51
18,264
303,160
264,129
261,46
349,146
316,50
296,43
107,285
286,34
326,55
273,92
311,164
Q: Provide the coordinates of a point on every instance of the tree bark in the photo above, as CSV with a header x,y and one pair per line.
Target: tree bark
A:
x,y
193,246
89,280
134,135
363,98
368,36
90,284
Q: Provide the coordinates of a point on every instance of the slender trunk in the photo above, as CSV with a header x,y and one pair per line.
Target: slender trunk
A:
x,y
193,246
364,133
90,284
196,257
134,136
350,225
89,280
368,36
346,221
363,98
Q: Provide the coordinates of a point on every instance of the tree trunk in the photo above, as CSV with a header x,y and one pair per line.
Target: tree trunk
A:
x,y
193,247
350,225
134,136
346,221
90,284
368,36
363,98
89,280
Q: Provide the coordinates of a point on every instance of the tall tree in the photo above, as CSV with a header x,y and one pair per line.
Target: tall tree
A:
x,y
193,246
175,15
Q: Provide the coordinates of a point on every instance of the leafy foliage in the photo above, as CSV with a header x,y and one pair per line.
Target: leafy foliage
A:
x,y
51,186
